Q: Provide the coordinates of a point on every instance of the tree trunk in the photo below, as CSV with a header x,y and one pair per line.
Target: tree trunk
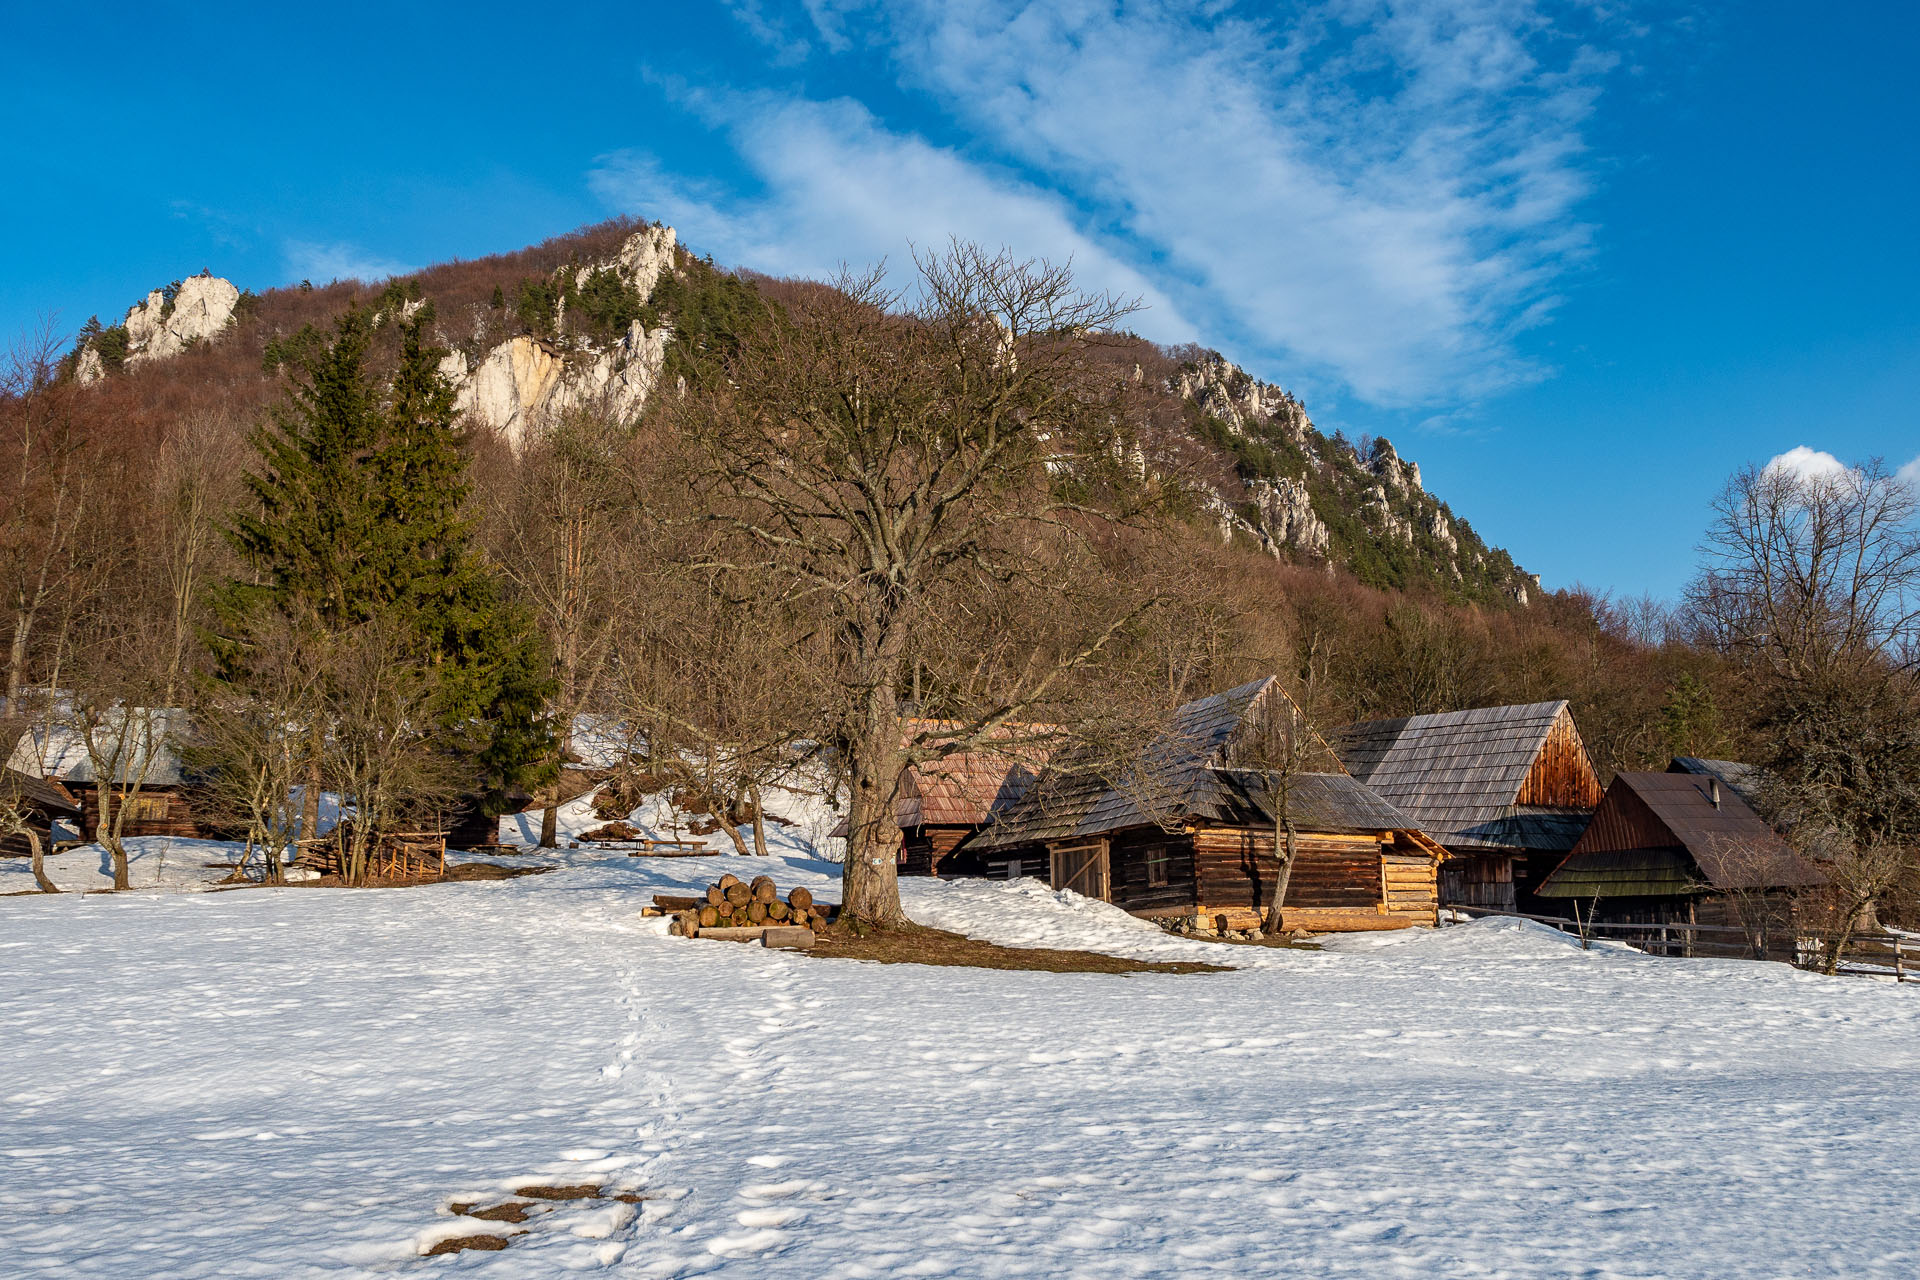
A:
x,y
310,797
870,880
759,822
106,830
39,861
550,826
1286,841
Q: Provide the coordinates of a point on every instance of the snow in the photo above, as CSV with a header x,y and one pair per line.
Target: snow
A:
x,y
299,1083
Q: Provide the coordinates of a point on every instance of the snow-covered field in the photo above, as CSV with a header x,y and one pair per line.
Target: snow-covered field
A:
x,y
299,1082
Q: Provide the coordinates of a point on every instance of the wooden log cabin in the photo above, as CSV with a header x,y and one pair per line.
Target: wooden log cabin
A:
x,y
1189,831
1506,790
1681,847
162,804
941,803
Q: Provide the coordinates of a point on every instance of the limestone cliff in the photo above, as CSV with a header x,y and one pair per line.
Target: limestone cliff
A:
x,y
159,327
1308,496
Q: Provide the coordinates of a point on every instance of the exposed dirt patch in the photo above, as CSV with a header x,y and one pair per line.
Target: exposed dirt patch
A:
x,y
456,873
917,945
582,1191
513,1211
459,1244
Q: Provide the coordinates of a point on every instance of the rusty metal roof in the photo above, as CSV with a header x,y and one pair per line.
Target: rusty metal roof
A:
x,y
1728,845
965,788
1458,774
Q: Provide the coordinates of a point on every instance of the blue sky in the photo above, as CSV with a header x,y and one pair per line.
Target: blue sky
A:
x,y
1579,260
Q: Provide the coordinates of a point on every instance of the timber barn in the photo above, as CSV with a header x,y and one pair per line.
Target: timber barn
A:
x,y
1681,847
1506,790
1188,830
940,803
161,805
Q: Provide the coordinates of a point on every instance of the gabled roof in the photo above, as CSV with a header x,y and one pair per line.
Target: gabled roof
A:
x,y
967,787
1459,774
58,752
38,793
1648,820
1190,772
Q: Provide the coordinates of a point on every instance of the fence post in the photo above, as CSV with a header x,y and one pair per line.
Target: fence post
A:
x,y
1899,970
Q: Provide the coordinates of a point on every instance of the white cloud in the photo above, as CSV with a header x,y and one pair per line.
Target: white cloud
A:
x,y
1804,463
325,263
1910,473
1383,192
839,188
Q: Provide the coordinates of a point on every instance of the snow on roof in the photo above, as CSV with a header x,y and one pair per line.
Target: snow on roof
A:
x,y
59,752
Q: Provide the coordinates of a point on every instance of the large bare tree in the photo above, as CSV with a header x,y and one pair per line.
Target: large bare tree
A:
x,y
888,463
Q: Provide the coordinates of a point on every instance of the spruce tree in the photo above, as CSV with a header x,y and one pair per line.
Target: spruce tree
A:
x,y
359,518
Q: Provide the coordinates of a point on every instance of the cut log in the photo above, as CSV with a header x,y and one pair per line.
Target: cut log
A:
x,y
709,917
715,895
800,899
787,936
777,910
674,902
757,912
738,894
727,881
764,889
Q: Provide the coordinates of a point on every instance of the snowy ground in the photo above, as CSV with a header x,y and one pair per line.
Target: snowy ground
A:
x,y
298,1082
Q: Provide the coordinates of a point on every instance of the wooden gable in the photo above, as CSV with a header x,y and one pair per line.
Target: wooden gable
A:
x,y
1562,775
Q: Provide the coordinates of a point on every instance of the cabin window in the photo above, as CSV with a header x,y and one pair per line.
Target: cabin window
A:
x,y
1159,863
145,808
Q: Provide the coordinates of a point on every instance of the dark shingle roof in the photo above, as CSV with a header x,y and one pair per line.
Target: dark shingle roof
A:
x,y
39,793
1743,778
1726,846
967,787
1188,773
1458,774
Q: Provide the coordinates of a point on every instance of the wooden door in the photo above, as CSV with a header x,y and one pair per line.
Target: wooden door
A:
x,y
1083,868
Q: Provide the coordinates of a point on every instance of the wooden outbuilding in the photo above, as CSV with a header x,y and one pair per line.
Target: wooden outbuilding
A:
x,y
164,802
1188,829
1678,847
41,802
1506,790
943,802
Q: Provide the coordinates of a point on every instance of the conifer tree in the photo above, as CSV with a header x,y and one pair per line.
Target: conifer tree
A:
x,y
360,519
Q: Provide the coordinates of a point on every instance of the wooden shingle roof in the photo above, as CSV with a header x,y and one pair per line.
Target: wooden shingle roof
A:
x,y
1460,774
37,793
967,787
1190,772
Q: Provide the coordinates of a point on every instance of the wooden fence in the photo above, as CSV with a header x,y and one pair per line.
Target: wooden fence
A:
x,y
1876,955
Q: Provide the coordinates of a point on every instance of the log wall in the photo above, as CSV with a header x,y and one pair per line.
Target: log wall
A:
x,y
1479,880
1138,857
164,811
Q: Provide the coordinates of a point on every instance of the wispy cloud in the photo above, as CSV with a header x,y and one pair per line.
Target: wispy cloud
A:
x,y
324,263
1911,473
836,187
1385,192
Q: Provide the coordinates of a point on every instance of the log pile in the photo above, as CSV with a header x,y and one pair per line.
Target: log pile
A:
x,y
733,904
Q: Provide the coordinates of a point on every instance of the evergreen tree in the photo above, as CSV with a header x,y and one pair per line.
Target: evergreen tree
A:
x,y
360,518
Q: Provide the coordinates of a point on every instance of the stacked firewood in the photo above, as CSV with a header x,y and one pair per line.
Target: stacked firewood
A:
x,y
733,903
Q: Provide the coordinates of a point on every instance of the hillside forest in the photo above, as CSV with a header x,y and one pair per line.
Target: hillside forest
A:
x,y
964,491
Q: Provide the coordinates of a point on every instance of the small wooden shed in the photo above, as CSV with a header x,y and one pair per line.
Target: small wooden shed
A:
x,y
1677,847
1188,830
942,802
41,802
1506,790
163,804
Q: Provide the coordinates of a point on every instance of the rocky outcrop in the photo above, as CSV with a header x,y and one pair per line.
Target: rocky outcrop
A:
x,y
1227,392
160,328
1287,517
524,384
90,368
